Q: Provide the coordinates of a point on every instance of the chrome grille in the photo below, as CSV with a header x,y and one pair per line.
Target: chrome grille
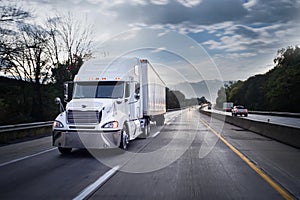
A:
x,y
83,117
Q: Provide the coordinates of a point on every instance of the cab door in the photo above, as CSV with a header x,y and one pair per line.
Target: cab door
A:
x,y
135,101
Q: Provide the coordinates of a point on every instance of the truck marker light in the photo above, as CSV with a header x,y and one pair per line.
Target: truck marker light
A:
x,y
97,79
118,78
103,79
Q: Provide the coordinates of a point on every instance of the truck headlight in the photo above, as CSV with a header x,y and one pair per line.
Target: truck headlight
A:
x,y
57,124
113,124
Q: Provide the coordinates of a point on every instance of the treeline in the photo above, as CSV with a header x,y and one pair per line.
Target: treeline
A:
x,y
39,57
176,100
276,90
17,102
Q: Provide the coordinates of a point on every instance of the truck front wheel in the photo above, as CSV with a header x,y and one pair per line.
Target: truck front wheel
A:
x,y
124,138
64,151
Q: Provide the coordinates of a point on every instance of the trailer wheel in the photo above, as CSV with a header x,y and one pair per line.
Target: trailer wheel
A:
x,y
124,138
64,151
147,127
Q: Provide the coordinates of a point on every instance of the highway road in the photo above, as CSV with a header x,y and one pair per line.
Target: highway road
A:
x,y
191,157
286,121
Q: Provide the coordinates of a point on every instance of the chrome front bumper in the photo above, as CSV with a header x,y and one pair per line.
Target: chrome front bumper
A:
x,y
86,139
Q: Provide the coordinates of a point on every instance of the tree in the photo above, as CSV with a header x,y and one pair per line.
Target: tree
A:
x,y
31,62
174,98
38,54
10,13
10,16
71,44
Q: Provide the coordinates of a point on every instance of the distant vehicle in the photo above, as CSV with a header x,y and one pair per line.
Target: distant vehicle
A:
x,y
227,106
209,106
239,110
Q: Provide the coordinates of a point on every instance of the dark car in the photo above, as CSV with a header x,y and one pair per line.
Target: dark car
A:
x,y
209,106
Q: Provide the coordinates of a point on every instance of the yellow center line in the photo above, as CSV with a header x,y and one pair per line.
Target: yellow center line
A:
x,y
269,180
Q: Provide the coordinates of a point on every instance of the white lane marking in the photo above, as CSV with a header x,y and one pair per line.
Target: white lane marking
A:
x,y
99,182
155,134
26,157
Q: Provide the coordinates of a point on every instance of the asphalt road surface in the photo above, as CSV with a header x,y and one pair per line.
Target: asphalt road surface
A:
x,y
191,157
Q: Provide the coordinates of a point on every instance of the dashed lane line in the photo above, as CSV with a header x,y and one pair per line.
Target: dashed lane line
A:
x,y
88,191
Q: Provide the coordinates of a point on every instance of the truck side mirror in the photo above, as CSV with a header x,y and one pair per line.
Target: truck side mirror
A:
x,y
66,92
137,96
68,89
58,102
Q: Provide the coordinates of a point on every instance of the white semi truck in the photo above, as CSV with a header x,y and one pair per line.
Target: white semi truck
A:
x,y
112,103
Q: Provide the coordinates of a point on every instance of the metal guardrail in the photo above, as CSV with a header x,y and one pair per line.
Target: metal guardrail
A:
x,y
17,127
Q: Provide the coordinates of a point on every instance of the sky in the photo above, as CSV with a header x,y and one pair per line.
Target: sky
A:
x,y
190,40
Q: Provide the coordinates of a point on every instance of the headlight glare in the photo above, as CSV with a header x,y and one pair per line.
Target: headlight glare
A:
x,y
57,124
113,124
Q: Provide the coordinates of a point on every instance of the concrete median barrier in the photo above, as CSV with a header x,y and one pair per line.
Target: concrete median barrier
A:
x,y
284,134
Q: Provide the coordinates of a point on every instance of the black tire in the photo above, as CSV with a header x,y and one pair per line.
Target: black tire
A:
x,y
146,129
64,151
124,138
246,115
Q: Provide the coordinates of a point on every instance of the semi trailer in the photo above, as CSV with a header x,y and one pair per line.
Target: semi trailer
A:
x,y
112,103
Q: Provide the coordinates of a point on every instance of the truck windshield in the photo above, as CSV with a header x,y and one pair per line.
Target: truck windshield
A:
x,y
104,89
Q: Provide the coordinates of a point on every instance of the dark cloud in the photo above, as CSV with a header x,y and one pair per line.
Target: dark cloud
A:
x,y
205,13
273,11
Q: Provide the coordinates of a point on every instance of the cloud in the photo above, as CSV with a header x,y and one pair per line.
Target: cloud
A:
x,y
157,50
272,11
200,12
